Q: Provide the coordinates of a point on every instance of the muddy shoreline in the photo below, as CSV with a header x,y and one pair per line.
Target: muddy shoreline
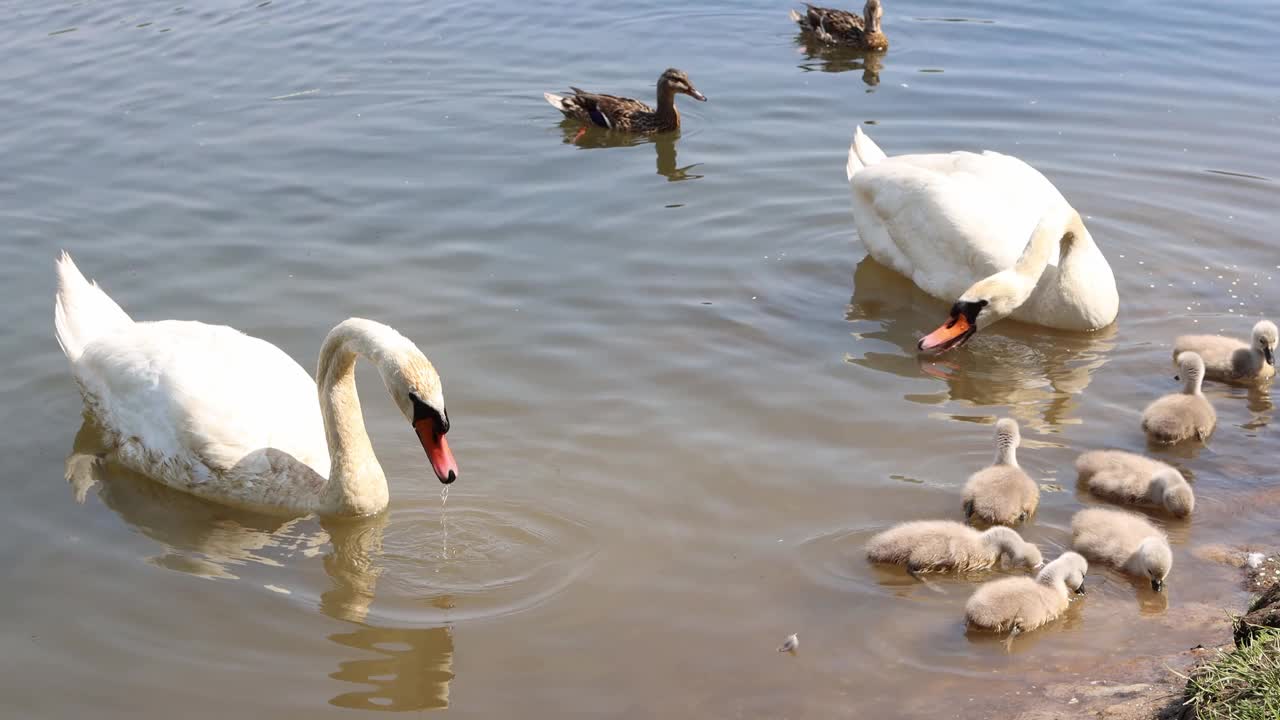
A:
x,y
1149,687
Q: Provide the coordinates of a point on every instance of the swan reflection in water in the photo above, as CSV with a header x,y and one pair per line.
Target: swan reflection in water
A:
x,y
1038,372
822,57
664,144
403,668
1258,398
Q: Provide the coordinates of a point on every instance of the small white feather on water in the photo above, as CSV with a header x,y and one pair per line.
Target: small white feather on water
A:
x,y
790,644
300,93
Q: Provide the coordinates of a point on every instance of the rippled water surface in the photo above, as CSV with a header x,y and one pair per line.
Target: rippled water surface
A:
x,y
681,396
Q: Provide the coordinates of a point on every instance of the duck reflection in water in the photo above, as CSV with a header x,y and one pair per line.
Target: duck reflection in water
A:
x,y
823,57
594,138
1038,372
402,668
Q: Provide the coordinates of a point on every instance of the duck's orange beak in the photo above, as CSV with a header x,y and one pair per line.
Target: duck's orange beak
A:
x,y
953,333
438,451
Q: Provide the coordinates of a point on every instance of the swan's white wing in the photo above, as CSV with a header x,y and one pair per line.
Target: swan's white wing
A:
x,y
186,395
948,220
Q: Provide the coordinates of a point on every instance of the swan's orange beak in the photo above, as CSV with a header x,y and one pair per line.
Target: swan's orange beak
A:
x,y
438,451
954,332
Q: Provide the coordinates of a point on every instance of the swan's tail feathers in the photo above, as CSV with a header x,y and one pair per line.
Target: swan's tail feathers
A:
x,y
81,310
863,153
556,101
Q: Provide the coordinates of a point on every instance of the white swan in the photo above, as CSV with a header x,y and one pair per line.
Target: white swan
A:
x,y
211,411
987,231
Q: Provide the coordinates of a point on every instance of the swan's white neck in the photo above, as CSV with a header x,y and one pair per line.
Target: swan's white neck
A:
x,y
357,485
1002,540
1055,576
1008,290
1006,449
1161,484
1192,381
1054,232
1080,292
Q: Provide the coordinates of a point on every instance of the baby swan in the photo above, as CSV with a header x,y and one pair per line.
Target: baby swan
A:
x,y
1185,415
1230,360
944,545
1019,604
1002,494
1131,478
1123,539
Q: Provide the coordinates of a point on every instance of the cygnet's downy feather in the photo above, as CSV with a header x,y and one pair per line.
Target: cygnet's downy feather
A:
x,y
1003,493
1181,416
1230,360
1021,603
1126,477
944,545
1124,540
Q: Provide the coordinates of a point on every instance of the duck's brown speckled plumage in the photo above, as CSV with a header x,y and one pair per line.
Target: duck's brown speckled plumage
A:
x,y
842,27
628,114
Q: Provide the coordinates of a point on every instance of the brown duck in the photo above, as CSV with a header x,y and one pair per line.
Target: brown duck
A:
x,y
841,27
620,113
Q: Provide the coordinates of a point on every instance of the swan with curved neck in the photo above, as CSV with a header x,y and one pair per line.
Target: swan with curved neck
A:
x,y
209,410
984,231
357,484
998,296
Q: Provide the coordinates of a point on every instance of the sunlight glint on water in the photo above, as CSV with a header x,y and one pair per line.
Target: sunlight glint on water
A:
x,y
661,356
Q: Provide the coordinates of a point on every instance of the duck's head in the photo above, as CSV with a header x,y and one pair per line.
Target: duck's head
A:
x,y
676,81
1265,338
872,12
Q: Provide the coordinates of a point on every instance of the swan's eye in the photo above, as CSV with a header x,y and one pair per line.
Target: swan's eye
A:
x,y
970,309
423,411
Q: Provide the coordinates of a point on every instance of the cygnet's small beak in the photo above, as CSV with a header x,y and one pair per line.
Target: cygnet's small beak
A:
x,y
1269,354
1080,590
1157,584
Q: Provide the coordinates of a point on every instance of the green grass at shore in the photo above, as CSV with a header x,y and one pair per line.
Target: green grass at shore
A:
x,y
1243,684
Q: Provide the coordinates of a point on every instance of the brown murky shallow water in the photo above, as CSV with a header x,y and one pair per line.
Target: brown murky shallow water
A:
x,y
681,396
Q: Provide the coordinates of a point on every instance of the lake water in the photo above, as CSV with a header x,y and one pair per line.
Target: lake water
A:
x,y
681,397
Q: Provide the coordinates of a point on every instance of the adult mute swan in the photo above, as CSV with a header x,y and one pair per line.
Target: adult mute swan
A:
x,y
211,411
988,232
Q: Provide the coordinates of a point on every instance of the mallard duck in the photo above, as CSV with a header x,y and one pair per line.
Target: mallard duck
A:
x,y
841,27
619,113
